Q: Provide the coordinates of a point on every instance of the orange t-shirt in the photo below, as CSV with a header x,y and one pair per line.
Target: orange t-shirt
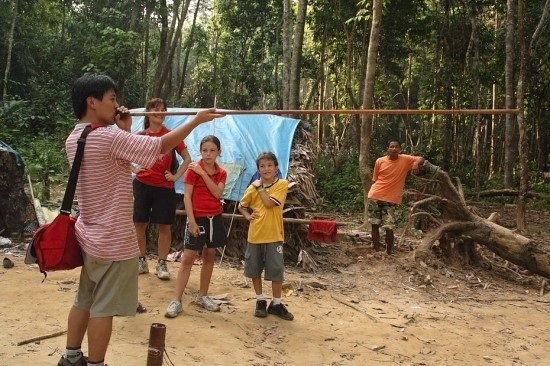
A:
x,y
389,178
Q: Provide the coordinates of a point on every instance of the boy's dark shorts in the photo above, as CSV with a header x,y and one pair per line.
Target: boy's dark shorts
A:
x,y
153,204
214,234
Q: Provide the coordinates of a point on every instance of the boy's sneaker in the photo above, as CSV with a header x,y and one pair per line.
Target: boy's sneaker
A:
x,y
261,309
143,266
174,308
279,310
207,303
162,270
82,361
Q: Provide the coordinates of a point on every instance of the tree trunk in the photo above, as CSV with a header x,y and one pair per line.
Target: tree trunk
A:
x,y
173,41
145,68
163,43
540,25
365,170
188,47
287,50
10,48
472,62
322,89
522,145
16,209
509,150
296,63
493,147
542,146
457,222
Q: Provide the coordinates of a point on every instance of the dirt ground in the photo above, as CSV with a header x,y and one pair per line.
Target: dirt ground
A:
x,y
364,308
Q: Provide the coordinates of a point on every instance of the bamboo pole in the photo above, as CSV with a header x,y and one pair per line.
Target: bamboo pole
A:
x,y
289,220
339,111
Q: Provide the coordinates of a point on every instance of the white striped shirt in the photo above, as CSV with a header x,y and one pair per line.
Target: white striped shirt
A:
x,y
105,227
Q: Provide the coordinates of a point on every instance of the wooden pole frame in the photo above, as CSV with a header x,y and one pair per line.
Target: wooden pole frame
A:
x,y
340,111
290,220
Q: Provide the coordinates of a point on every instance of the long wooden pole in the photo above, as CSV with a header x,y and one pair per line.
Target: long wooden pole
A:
x,y
339,111
285,219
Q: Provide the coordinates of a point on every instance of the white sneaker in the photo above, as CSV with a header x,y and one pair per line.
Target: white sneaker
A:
x,y
174,308
161,270
207,303
143,266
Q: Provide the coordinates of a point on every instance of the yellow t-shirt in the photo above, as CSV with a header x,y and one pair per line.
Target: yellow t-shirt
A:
x,y
389,178
268,227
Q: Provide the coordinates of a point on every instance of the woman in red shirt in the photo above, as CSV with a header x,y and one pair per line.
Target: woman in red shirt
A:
x,y
154,193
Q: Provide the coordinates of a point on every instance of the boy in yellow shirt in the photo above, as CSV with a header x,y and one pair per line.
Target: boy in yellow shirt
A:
x,y
262,205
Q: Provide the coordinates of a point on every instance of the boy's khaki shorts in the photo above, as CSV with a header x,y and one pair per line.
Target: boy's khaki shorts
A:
x,y
108,288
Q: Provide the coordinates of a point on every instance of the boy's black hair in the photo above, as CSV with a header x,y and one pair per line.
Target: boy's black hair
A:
x,y
394,140
90,85
266,155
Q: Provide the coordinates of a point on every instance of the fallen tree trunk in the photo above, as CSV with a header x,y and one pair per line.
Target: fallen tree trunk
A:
x,y
455,223
504,192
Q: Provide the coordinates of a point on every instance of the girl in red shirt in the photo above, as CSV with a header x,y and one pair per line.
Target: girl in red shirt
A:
x,y
204,185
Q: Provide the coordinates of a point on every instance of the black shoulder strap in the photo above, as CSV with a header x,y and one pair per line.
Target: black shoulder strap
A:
x,y
75,169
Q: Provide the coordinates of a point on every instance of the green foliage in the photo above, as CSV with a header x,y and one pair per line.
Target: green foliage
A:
x,y
12,116
339,186
46,163
425,60
40,146
107,53
541,187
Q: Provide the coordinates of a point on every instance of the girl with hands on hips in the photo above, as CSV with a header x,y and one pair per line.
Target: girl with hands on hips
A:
x,y
204,185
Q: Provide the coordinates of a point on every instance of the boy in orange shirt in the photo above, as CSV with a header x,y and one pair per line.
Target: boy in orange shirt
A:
x,y
385,194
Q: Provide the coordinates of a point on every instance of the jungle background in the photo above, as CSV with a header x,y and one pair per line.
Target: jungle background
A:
x,y
316,54
359,305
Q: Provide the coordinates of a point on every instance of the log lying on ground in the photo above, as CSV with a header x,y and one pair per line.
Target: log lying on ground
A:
x,y
456,220
504,192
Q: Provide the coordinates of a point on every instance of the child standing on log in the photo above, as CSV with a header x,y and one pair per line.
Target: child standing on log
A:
x,y
262,205
204,185
386,192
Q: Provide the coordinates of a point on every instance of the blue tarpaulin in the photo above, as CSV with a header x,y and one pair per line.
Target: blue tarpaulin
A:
x,y
242,137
